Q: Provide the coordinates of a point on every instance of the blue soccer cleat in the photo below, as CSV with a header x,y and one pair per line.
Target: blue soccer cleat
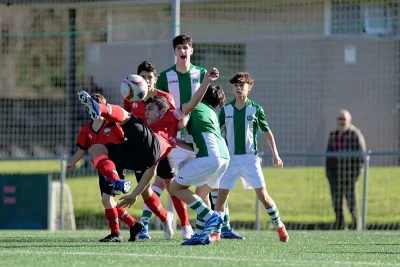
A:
x,y
121,186
193,241
231,234
92,106
144,233
213,224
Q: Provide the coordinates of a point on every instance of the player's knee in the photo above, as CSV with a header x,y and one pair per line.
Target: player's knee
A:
x,y
97,150
108,201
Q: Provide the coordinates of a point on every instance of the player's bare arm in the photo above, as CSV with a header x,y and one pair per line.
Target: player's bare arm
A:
x,y
183,123
129,200
77,157
276,160
211,76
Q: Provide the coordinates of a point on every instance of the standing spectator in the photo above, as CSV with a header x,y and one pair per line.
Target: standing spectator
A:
x,y
343,172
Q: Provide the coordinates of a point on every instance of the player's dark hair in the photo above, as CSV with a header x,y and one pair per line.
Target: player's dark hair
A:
x,y
242,77
182,40
160,101
99,98
146,66
214,96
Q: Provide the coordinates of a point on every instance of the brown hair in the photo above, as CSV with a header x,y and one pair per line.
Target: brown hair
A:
x,y
160,101
242,77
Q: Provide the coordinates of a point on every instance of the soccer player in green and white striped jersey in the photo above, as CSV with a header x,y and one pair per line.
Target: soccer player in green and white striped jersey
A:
x,y
206,170
240,121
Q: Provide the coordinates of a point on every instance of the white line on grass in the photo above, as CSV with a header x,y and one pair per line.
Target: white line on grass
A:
x,y
294,262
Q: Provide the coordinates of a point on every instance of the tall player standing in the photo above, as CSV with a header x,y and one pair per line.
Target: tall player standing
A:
x,y
182,80
165,169
101,131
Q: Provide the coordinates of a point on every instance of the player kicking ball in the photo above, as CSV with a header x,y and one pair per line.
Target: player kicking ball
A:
x,y
241,120
165,169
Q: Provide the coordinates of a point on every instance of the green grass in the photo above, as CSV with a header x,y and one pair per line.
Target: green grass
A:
x,y
302,195
30,166
81,248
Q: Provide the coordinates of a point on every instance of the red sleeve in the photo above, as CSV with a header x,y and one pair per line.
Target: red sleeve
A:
x,y
119,132
171,101
83,141
127,105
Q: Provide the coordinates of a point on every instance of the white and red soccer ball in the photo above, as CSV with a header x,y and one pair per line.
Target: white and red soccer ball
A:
x,y
134,88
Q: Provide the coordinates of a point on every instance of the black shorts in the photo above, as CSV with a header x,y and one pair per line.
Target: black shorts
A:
x,y
105,185
165,169
139,152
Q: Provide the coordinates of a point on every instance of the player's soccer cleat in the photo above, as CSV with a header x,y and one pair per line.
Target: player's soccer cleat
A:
x,y
92,106
121,186
114,237
167,226
144,233
215,237
231,234
135,230
283,235
193,241
210,226
187,232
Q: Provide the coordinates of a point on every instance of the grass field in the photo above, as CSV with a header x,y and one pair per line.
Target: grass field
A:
x,y
302,194
314,248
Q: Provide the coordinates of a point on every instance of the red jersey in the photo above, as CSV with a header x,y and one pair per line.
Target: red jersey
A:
x,y
109,132
139,108
166,130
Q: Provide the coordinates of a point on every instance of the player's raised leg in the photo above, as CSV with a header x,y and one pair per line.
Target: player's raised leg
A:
x,y
99,156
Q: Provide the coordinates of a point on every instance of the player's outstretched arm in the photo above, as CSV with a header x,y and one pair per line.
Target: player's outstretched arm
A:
x,y
198,96
128,200
77,157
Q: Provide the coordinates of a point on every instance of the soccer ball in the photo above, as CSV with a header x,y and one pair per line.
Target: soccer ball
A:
x,y
134,88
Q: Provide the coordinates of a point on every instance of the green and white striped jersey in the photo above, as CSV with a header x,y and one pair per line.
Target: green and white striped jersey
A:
x,y
205,133
181,86
240,127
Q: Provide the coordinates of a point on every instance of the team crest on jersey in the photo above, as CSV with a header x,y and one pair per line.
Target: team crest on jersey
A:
x,y
250,118
134,105
107,131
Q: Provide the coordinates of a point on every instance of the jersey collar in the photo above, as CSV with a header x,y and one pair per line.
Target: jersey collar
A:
x,y
190,68
248,102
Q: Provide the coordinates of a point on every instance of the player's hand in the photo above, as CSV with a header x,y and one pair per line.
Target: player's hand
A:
x,y
212,75
69,167
277,162
127,201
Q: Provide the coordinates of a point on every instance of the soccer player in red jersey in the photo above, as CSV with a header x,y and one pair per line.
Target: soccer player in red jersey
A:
x,y
100,131
144,147
165,169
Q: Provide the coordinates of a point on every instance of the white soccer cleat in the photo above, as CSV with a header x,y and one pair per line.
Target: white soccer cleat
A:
x,y
187,232
167,226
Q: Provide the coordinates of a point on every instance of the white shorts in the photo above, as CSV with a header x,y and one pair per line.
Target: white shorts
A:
x,y
181,156
247,167
201,171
